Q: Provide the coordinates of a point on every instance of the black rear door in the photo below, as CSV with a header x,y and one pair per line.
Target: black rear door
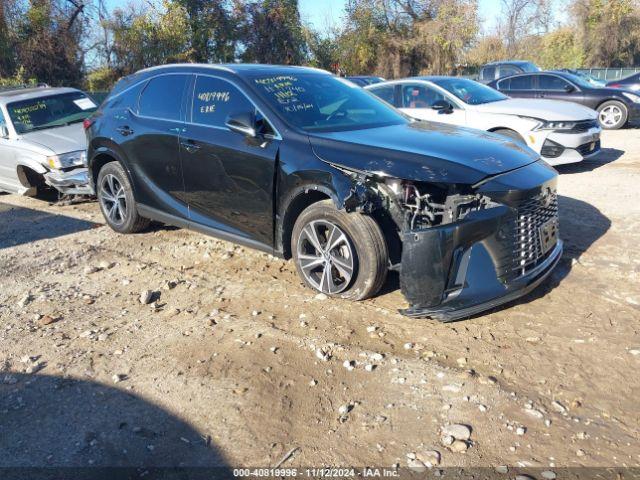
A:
x,y
229,177
150,137
519,86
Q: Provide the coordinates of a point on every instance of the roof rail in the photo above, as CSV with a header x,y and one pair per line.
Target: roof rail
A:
x,y
22,86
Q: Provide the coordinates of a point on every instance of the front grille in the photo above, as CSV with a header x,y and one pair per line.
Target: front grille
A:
x,y
584,126
588,148
536,232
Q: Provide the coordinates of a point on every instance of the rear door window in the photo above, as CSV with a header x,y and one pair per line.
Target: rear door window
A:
x,y
420,96
522,82
162,97
386,93
215,99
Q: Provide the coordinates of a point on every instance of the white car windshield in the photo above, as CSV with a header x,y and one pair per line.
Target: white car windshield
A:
x,y
50,111
470,92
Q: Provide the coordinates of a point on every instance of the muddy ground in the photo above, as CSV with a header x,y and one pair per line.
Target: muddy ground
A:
x,y
223,367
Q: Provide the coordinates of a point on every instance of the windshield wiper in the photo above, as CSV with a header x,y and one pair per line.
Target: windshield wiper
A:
x,y
46,127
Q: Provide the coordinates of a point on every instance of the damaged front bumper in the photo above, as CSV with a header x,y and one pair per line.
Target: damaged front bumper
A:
x,y
488,258
71,182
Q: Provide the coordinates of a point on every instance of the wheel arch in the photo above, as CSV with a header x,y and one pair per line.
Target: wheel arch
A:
x,y
292,206
611,99
99,159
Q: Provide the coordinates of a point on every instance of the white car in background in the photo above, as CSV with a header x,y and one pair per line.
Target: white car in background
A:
x,y
42,140
561,132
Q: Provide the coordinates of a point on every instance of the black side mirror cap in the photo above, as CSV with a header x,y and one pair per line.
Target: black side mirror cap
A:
x,y
442,106
243,123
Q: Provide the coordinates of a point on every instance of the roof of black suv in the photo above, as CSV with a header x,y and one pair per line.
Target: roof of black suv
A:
x,y
238,68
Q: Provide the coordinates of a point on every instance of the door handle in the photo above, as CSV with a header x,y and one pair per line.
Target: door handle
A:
x,y
190,146
124,131
177,130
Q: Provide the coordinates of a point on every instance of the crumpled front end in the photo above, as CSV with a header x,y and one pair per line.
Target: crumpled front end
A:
x,y
465,248
501,249
73,181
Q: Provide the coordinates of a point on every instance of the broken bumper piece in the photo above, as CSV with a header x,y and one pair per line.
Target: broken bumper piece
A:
x,y
458,270
72,182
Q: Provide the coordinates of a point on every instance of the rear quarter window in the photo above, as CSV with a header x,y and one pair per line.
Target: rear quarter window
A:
x,y
488,73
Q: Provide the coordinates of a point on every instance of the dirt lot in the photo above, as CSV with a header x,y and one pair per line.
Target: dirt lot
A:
x,y
223,368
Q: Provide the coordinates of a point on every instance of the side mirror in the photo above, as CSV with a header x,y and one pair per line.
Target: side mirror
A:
x,y
442,106
244,123
4,131
569,88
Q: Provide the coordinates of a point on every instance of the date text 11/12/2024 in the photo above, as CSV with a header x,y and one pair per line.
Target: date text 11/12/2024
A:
x,y
326,472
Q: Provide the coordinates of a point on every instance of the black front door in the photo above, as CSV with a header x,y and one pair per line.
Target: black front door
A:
x,y
151,140
229,177
553,87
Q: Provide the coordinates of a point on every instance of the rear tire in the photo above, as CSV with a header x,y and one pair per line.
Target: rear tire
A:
x,y
612,115
115,197
355,268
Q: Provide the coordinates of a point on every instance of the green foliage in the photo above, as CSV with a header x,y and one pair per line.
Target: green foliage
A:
x,y
407,37
101,79
324,50
272,32
145,39
19,78
560,49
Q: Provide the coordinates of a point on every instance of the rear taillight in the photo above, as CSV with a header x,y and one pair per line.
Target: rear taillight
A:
x,y
615,85
87,122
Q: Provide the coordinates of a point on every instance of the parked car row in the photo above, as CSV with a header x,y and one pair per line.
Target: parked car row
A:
x,y
442,179
561,133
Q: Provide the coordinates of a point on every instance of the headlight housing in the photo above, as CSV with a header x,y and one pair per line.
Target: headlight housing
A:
x,y
632,96
67,160
553,125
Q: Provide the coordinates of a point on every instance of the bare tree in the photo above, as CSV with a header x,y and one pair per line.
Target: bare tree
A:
x,y
522,18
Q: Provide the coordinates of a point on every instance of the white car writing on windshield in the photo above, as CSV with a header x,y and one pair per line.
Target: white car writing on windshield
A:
x,y
42,140
561,132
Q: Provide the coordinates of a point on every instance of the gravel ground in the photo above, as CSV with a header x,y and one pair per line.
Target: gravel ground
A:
x,y
233,362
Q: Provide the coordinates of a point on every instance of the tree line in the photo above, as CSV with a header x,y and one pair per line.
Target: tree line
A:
x,y
84,43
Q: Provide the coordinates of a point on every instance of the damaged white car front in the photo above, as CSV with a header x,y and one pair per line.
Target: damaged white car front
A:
x,y
42,140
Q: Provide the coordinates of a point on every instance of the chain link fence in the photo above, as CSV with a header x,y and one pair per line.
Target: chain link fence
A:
x,y
608,74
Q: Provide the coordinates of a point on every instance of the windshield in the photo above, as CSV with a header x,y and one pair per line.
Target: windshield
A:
x,y
529,67
470,92
53,111
578,80
324,103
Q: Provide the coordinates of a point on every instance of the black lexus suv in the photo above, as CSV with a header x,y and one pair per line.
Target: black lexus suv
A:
x,y
300,163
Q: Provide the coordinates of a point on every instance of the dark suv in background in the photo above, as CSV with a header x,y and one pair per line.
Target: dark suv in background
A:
x,y
494,70
299,163
615,107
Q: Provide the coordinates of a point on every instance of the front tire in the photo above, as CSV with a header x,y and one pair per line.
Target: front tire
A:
x,y
115,197
613,115
338,253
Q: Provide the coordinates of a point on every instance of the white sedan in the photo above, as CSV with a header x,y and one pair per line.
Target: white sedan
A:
x,y
561,132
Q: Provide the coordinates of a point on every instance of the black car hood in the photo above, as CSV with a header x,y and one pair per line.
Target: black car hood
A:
x,y
423,151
